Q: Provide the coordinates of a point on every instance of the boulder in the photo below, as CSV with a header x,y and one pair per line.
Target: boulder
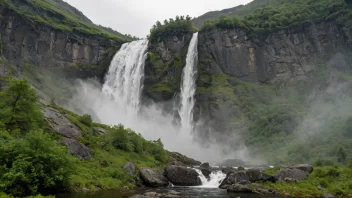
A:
x,y
227,170
152,178
130,168
239,188
77,149
206,169
304,167
247,175
293,174
328,195
182,176
233,163
206,172
181,160
60,124
205,166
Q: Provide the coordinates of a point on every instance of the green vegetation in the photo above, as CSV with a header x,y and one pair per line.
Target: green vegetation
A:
x,y
176,27
283,13
34,160
54,15
335,180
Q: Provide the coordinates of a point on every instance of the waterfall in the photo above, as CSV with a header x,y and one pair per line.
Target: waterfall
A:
x,y
188,85
124,79
215,178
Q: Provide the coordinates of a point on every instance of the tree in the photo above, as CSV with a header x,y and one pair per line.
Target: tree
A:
x,y
35,164
18,107
158,24
341,154
166,22
188,18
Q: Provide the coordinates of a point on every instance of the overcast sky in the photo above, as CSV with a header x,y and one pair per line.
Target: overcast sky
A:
x,y
136,17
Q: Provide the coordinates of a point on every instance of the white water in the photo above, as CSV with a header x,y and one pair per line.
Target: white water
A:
x,y
124,79
188,85
216,178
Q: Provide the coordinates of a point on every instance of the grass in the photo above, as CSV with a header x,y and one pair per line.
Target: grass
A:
x,y
104,169
335,180
42,12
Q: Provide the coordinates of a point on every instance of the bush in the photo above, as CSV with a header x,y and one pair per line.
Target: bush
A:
x,y
36,164
324,183
333,172
86,119
120,139
323,162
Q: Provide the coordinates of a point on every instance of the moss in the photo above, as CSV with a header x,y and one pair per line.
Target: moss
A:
x,y
272,171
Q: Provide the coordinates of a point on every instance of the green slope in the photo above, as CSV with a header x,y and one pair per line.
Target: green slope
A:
x,y
59,15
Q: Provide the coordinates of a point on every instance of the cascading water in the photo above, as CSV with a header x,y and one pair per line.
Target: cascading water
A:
x,y
215,178
188,85
124,79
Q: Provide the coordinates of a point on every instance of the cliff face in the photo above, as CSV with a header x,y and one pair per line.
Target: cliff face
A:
x,y
163,67
72,54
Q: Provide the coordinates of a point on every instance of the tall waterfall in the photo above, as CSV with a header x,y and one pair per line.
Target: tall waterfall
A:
x,y
188,85
124,79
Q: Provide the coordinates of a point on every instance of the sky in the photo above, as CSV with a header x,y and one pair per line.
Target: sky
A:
x,y
136,17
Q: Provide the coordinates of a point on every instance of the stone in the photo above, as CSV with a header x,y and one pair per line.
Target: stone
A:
x,y
239,188
251,176
77,149
60,124
295,174
289,180
328,195
152,178
130,168
182,176
227,170
304,167
182,160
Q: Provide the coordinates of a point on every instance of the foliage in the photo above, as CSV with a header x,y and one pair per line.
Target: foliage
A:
x,y
86,119
178,26
334,180
341,154
49,13
282,13
36,164
19,108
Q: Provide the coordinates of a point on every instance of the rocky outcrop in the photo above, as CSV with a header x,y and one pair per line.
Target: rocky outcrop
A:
x,y
251,176
67,53
77,149
60,124
182,176
289,174
163,67
182,160
130,168
152,178
304,167
232,163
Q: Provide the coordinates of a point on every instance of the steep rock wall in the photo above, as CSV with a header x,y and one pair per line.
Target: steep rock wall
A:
x,y
71,54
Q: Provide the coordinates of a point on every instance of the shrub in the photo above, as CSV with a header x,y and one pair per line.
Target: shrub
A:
x,y
120,139
323,162
86,119
333,172
324,183
36,164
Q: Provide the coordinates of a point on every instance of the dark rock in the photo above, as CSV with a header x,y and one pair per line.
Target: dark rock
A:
x,y
130,168
227,170
233,163
206,172
99,131
241,168
239,188
182,176
182,160
60,124
304,167
244,182
295,174
205,165
248,175
77,149
152,178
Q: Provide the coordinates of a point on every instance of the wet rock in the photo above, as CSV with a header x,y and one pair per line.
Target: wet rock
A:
x,y
233,163
130,168
60,124
295,174
152,178
206,169
247,175
239,188
77,149
206,173
85,190
205,165
182,176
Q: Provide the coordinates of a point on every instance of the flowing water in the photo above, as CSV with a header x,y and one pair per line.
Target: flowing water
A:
x,y
188,85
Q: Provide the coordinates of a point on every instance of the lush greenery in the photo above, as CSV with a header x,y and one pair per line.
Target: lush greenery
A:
x,y
179,26
60,16
331,179
34,161
283,13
